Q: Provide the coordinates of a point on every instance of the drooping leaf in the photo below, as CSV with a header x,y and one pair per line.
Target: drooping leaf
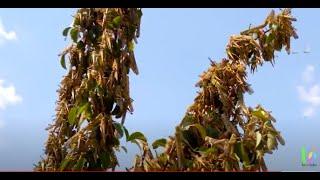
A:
x,y
280,139
126,133
187,120
119,128
63,61
159,143
65,31
241,152
74,34
137,135
137,143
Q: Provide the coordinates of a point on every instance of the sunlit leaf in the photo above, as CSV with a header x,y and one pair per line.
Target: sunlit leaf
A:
x,y
258,137
72,115
116,21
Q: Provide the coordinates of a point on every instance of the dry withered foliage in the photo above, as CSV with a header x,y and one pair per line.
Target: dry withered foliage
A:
x,y
94,95
219,132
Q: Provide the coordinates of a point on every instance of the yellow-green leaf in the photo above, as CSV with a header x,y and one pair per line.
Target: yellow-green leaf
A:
x,y
72,115
260,113
116,21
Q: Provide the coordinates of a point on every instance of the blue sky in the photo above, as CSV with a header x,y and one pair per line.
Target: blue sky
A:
x,y
172,52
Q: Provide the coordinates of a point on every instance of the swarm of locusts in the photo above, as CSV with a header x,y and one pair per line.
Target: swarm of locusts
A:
x,y
219,132
94,95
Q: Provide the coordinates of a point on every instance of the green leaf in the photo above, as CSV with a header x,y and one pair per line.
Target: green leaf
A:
x,y
187,120
124,149
65,31
72,115
80,164
160,142
64,164
63,61
119,128
201,130
258,136
74,34
212,132
137,135
80,45
105,160
126,133
241,152
116,21
83,108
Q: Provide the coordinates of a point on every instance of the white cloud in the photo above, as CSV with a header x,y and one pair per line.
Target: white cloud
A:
x,y
309,112
8,96
310,95
6,35
308,74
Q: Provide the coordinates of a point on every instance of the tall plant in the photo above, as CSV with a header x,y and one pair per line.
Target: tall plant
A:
x,y
94,95
218,131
